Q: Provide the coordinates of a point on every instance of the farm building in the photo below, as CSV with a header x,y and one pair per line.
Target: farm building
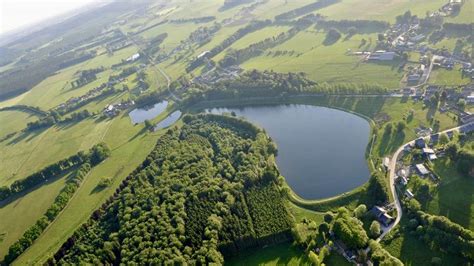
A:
x,y
382,55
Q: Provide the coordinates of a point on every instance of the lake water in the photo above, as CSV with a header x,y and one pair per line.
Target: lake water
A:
x,y
321,151
139,115
169,120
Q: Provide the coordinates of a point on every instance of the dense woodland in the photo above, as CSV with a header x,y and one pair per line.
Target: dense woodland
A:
x,y
206,191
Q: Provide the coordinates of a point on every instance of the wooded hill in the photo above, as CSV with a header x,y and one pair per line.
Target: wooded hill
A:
x,y
206,191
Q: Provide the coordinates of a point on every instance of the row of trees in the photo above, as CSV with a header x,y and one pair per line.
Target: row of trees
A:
x,y
354,26
206,189
440,232
235,57
197,20
94,156
309,8
463,158
251,27
32,233
256,83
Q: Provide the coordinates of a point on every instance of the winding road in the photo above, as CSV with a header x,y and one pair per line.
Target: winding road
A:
x,y
392,176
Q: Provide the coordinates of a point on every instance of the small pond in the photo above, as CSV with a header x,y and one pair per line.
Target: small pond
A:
x,y
321,151
168,121
139,115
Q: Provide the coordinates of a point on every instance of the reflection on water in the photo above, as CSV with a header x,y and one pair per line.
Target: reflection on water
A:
x,y
321,151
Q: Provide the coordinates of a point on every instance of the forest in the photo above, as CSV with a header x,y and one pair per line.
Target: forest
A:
x,y
207,190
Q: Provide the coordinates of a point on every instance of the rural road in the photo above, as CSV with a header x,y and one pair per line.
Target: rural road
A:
x,y
392,176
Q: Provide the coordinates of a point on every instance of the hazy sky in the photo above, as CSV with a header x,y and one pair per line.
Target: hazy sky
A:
x,y
17,13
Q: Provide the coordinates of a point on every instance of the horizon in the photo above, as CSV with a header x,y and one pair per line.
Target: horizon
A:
x,y
18,14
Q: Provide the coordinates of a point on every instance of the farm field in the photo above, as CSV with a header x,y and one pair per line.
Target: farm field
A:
x,y
453,197
23,211
330,62
129,145
413,251
281,254
325,62
13,121
385,10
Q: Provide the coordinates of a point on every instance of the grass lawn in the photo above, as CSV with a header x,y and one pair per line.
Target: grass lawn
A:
x,y
27,152
330,63
23,211
12,121
281,254
453,77
379,10
56,89
412,251
454,197
336,259
465,15
130,145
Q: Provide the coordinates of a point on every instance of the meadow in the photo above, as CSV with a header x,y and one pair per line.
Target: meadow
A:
x,y
27,152
453,197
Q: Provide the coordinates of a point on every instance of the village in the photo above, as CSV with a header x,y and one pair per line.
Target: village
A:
x,y
408,38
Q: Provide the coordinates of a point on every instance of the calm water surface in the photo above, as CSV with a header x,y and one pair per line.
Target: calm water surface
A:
x,y
139,115
321,151
168,121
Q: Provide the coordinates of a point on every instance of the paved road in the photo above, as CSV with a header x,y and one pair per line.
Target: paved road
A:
x,y
392,176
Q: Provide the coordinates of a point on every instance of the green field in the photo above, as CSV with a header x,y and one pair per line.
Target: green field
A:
x,y
327,62
446,77
453,197
380,10
129,145
23,211
13,121
26,152
282,254
413,251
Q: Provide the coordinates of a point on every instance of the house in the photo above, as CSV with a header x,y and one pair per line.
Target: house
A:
x,y
420,143
381,215
413,78
467,128
434,138
470,99
409,194
201,55
133,57
468,118
428,151
422,169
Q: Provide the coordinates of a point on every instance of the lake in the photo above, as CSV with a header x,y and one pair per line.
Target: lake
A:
x,y
168,121
139,115
321,151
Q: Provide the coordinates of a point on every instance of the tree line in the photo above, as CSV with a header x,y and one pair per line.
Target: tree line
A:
x,y
96,154
197,20
251,27
206,190
236,57
266,83
305,9
440,232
